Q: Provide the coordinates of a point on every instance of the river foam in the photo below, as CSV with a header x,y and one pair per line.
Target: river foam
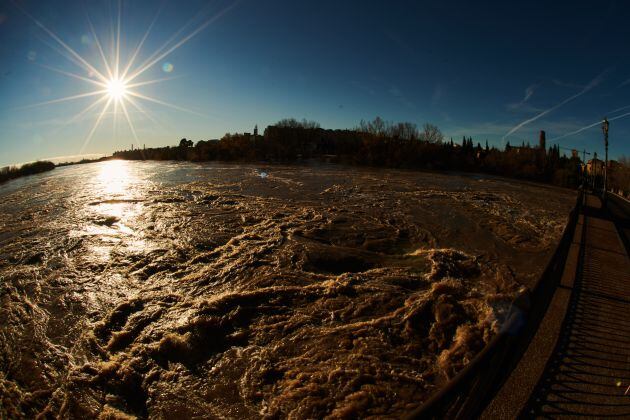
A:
x,y
180,290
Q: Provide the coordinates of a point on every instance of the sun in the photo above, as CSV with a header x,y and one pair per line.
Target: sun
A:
x,y
116,84
116,89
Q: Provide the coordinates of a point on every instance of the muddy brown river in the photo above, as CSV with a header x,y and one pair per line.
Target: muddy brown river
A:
x,y
176,290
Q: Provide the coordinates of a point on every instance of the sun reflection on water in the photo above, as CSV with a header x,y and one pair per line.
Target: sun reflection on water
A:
x,y
115,178
116,185
113,212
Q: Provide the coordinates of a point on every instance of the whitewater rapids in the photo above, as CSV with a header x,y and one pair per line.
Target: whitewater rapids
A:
x,y
175,290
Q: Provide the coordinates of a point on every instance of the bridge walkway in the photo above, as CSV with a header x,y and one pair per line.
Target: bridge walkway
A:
x,y
578,363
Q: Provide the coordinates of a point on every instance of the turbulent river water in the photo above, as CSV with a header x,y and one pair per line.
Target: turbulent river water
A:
x,y
174,290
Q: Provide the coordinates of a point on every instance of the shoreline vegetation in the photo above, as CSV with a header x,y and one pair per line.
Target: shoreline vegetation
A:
x,y
83,161
12,172
380,143
376,143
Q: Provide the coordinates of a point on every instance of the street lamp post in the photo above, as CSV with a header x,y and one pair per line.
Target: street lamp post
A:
x,y
605,130
594,171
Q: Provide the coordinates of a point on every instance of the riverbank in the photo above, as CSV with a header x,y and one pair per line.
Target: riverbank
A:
x,y
12,172
83,161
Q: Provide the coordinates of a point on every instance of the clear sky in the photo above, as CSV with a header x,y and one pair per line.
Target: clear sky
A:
x,y
499,71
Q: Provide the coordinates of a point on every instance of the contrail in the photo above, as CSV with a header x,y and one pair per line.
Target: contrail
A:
x,y
579,130
529,91
592,84
619,109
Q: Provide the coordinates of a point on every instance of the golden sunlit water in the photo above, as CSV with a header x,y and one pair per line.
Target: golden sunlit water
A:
x,y
144,288
330,236
115,179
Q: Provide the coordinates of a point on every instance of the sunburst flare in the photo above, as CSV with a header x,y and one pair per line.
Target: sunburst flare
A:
x,y
113,84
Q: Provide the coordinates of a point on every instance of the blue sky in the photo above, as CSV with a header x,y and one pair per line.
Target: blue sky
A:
x,y
499,71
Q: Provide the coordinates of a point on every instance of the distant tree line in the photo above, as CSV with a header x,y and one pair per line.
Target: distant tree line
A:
x,y
84,161
12,172
375,143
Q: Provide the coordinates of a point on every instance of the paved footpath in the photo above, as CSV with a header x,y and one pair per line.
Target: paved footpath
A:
x,y
578,364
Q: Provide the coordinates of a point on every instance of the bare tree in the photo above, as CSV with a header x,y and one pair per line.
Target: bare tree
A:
x,y
431,133
379,126
293,123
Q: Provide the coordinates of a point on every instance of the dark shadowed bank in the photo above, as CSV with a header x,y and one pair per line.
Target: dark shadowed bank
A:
x,y
12,172
82,161
376,143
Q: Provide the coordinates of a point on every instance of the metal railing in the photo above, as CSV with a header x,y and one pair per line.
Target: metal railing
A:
x,y
469,392
618,208
620,198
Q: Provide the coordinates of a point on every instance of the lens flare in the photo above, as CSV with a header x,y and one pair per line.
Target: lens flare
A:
x,y
114,85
